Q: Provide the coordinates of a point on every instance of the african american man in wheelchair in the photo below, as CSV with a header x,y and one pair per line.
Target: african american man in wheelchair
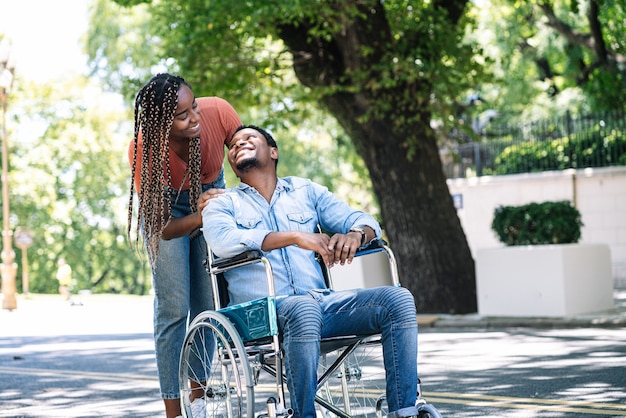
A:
x,y
280,216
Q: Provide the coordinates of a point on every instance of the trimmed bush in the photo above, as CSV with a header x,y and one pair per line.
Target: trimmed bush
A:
x,y
537,224
596,150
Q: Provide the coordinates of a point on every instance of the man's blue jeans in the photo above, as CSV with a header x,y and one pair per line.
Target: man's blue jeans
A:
x,y
305,319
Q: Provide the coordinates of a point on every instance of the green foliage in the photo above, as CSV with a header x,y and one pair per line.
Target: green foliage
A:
x,y
537,224
545,59
237,53
563,153
123,52
69,182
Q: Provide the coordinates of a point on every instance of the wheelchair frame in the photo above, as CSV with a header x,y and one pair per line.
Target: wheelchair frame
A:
x,y
233,345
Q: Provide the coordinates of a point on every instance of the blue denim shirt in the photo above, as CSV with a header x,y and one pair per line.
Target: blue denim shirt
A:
x,y
239,220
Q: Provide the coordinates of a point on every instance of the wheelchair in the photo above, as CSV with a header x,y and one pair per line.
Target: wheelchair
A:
x,y
232,356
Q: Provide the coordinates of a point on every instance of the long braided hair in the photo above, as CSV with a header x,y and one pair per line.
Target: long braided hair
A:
x,y
155,106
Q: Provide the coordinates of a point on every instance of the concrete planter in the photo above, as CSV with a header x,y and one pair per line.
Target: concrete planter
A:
x,y
544,280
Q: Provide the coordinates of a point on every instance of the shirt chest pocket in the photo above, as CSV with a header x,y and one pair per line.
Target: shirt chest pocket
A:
x,y
302,221
247,222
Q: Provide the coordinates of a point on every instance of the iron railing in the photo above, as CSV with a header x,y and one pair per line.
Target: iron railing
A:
x,y
594,140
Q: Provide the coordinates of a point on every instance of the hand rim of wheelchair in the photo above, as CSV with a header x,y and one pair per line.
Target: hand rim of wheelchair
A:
x,y
230,345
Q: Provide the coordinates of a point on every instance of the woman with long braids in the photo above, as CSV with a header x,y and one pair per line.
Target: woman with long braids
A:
x,y
176,159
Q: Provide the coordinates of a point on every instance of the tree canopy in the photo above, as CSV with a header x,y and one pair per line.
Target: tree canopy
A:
x,y
67,186
552,57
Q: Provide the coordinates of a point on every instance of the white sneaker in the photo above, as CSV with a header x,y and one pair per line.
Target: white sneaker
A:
x,y
198,408
201,407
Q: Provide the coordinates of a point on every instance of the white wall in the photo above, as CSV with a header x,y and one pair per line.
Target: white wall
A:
x,y
599,194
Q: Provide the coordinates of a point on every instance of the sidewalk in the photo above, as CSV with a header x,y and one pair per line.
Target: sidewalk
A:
x,y
46,315
50,315
614,318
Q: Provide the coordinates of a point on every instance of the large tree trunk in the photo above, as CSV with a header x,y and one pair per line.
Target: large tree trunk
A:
x,y
400,150
418,214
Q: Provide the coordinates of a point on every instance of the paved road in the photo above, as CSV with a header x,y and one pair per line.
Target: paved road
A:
x,y
525,372
97,360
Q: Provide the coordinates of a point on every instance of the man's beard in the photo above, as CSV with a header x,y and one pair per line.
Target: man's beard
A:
x,y
247,164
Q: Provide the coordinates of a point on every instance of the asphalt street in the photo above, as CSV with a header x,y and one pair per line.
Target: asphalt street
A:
x,y
525,372
97,360
94,360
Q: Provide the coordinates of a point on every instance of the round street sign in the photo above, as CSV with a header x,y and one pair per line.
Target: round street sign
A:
x,y
23,237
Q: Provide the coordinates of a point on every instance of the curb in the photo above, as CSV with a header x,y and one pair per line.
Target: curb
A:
x,y
612,318
483,322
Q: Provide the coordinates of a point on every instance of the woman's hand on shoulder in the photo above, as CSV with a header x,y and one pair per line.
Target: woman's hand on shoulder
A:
x,y
206,197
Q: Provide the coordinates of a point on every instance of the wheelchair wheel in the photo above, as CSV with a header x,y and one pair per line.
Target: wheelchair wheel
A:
x,y
357,385
214,366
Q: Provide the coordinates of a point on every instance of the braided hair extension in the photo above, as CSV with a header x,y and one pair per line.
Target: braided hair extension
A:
x,y
155,106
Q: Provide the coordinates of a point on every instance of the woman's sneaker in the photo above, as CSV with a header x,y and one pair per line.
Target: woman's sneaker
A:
x,y
204,408
198,408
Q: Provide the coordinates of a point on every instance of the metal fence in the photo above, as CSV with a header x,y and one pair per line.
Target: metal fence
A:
x,y
594,140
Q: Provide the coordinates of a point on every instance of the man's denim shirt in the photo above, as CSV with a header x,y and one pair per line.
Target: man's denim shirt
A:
x,y
239,220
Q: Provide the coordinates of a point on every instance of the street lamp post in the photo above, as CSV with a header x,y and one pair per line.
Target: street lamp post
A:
x,y
23,240
9,267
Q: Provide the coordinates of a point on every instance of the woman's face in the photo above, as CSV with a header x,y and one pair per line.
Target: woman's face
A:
x,y
186,117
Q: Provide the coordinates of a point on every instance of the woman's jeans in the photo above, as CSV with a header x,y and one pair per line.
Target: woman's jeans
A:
x,y
305,319
182,290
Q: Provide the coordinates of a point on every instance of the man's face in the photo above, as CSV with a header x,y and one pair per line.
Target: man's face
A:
x,y
249,149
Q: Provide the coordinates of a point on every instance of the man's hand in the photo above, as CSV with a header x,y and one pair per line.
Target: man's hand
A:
x,y
344,247
340,248
317,243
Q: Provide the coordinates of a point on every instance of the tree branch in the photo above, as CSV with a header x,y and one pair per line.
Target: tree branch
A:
x,y
596,33
594,42
563,28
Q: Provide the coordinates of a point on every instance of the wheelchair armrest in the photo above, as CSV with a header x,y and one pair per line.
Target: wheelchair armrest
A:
x,y
235,261
245,257
374,246
379,245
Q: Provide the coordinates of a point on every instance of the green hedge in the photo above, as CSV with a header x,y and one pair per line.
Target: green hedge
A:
x,y
562,153
537,224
